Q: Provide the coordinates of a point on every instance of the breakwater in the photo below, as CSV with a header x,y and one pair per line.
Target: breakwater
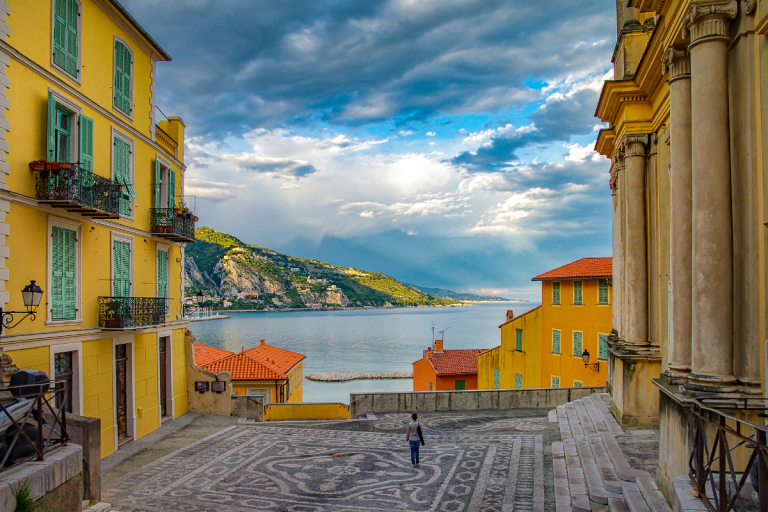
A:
x,y
346,376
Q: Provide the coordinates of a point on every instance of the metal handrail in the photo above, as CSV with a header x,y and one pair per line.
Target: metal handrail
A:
x,y
132,312
167,221
79,186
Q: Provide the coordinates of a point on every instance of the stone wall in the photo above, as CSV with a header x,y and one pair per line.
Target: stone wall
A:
x,y
306,411
86,432
207,402
417,401
248,406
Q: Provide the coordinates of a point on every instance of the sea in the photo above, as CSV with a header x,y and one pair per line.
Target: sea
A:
x,y
360,340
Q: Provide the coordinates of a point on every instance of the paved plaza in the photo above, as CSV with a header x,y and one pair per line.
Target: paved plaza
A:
x,y
473,461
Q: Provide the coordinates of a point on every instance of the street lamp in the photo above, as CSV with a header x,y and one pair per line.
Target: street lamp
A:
x,y
31,295
200,298
585,358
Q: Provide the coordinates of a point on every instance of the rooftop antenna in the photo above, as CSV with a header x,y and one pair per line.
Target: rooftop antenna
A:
x,y
442,334
433,333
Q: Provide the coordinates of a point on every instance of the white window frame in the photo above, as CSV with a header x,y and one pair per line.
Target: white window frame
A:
x,y
77,373
581,383
582,293
77,227
169,383
559,293
117,38
573,342
120,237
130,413
552,381
552,347
76,80
167,249
132,143
76,110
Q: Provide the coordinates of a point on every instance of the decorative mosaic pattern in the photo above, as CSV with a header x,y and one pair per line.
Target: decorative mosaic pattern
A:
x,y
287,469
452,423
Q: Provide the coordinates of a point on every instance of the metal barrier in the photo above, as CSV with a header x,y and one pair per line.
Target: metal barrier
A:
x,y
79,190
30,424
131,312
166,223
712,471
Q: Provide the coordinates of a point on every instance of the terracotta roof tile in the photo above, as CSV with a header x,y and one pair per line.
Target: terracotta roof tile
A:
x,y
579,269
276,358
452,362
263,362
205,354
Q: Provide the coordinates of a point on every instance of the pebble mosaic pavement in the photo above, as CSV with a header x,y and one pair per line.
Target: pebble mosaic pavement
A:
x,y
472,462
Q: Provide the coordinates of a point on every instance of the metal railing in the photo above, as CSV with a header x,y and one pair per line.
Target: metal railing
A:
x,y
715,434
132,312
79,190
166,223
30,422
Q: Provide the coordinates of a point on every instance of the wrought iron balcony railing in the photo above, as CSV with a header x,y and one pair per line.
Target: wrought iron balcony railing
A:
x,y
167,223
77,189
121,313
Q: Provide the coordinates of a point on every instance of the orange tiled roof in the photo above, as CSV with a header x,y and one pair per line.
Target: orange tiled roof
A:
x,y
452,362
205,354
276,358
263,362
579,269
519,316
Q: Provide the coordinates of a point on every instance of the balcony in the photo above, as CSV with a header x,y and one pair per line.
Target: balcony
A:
x,y
169,223
76,189
121,313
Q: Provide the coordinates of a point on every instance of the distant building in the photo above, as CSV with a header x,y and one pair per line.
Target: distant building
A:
x,y
446,370
543,347
266,370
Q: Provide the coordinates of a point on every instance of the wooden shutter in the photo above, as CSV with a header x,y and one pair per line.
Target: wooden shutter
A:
x,y
602,349
63,274
578,292
70,65
578,342
162,273
603,291
555,342
86,143
578,384
555,382
171,188
122,268
555,293
518,381
519,339
496,378
51,146
65,40
122,86
158,184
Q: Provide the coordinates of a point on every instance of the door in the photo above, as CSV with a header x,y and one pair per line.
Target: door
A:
x,y
163,377
63,375
121,385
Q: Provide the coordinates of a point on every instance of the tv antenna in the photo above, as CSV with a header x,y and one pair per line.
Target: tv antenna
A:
x,y
433,333
442,333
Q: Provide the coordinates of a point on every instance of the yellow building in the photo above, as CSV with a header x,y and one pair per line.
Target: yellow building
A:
x,y
89,185
544,347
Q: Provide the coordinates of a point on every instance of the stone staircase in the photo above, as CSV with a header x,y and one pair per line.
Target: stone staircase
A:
x,y
589,466
99,507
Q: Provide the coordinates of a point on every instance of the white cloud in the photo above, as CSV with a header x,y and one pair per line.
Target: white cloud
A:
x,y
431,134
578,153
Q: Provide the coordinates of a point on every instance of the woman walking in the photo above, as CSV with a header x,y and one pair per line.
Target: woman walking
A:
x,y
415,438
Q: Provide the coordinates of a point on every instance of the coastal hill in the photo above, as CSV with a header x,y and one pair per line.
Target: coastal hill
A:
x,y
253,277
464,297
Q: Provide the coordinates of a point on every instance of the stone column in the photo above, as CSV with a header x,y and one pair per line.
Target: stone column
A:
x,y
635,255
712,238
677,62
618,261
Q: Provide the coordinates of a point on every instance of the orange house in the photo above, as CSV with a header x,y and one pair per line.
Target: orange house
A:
x,y
266,370
446,370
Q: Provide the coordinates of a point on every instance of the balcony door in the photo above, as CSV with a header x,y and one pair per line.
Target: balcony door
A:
x,y
121,268
164,376
121,390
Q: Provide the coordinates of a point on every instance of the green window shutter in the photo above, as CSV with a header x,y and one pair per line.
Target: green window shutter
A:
x,y
460,385
51,149
63,274
578,292
162,273
171,188
158,184
555,382
496,378
122,92
578,342
603,291
519,339
70,65
602,351
65,41
555,293
518,381
578,384
122,269
86,143
555,342
430,385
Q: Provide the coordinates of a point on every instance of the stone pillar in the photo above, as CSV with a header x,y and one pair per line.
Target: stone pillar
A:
x,y
677,62
635,255
712,238
618,261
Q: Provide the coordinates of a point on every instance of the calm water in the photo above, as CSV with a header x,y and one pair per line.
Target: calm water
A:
x,y
369,340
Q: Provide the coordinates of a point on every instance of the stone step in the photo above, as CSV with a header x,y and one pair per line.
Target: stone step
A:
x,y
611,481
580,503
552,416
99,507
635,501
584,419
595,415
594,480
653,496
617,505
620,464
598,399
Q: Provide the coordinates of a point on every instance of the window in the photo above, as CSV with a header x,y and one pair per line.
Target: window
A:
x,y
578,342
496,378
578,292
578,384
66,36
555,381
459,385
121,268
122,163
518,381
555,341
64,118
430,385
602,291
63,274
555,293
519,340
165,185
123,85
602,346
162,277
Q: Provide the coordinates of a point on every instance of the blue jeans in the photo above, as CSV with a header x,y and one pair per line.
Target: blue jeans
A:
x,y
414,451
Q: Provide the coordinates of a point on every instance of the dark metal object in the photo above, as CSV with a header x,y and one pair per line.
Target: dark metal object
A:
x,y
41,429
585,358
120,313
31,295
714,433
79,190
166,223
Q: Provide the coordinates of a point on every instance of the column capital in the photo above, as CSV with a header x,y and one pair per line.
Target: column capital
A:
x,y
635,144
709,19
677,62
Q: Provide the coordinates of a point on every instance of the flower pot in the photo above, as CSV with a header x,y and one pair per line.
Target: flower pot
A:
x,y
178,211
195,218
58,166
37,165
116,323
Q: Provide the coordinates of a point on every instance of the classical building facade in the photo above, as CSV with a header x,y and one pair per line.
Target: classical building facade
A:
x,y
90,191
686,110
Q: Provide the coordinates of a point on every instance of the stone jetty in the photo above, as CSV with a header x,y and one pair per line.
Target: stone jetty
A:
x,y
343,377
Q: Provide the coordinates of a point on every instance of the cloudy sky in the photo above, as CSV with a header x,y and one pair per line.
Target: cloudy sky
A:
x,y
447,143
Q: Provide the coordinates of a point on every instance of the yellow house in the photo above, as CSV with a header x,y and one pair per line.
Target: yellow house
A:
x,y
89,189
544,346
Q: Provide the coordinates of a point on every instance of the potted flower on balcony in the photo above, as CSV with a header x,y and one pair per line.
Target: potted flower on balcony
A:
x,y
37,165
56,166
114,314
195,218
